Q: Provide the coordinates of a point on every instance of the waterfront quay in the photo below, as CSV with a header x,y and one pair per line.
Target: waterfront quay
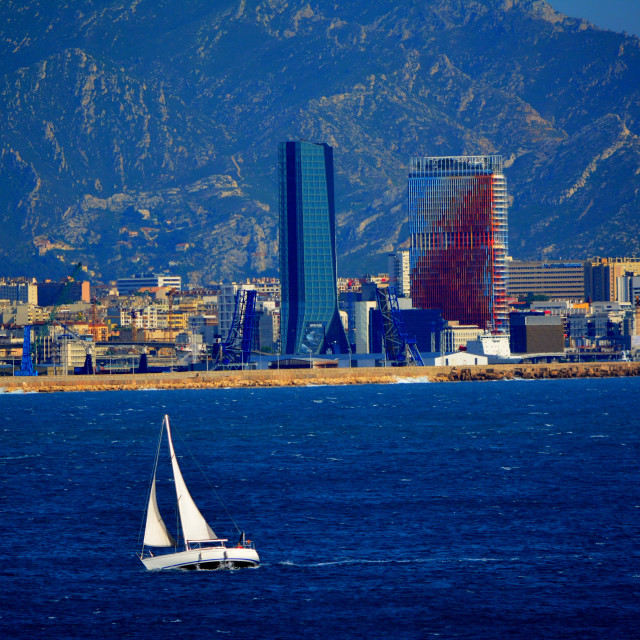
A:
x,y
306,377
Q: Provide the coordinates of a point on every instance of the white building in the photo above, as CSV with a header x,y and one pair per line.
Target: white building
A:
x,y
127,286
455,359
495,346
145,318
399,272
362,314
227,305
628,289
455,335
552,307
268,287
607,307
71,352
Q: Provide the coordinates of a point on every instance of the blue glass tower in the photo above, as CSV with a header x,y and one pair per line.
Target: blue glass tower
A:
x,y
309,318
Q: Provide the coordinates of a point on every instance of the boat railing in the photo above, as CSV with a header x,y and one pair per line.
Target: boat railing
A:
x,y
202,544
218,542
246,544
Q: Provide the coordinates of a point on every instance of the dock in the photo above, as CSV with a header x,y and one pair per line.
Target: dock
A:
x,y
306,377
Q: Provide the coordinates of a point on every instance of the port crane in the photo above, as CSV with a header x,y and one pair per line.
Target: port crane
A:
x,y
400,349
87,367
29,346
235,351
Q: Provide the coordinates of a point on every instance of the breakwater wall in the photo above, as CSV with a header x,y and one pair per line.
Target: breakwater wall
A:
x,y
305,377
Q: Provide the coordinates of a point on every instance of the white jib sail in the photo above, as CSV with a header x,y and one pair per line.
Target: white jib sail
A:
x,y
155,531
194,526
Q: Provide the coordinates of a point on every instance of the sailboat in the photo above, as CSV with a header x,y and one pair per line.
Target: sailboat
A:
x,y
200,548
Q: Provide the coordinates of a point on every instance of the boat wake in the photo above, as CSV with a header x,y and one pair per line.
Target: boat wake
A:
x,y
352,561
403,561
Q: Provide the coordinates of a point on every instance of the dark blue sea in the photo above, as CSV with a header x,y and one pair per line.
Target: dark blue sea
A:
x,y
468,510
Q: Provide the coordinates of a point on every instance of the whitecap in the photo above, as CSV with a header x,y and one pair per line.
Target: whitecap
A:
x,y
416,380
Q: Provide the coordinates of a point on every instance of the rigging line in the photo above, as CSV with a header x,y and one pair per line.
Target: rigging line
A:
x,y
155,467
224,506
179,535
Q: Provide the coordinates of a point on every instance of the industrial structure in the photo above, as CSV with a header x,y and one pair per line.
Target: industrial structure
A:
x,y
458,228
30,346
400,349
235,351
310,322
26,364
74,353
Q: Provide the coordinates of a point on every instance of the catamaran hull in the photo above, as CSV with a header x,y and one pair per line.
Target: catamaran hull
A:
x,y
204,559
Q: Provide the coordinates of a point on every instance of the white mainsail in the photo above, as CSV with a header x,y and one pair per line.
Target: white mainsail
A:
x,y
194,526
155,531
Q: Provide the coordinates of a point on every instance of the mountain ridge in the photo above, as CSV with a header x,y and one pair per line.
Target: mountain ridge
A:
x,y
144,137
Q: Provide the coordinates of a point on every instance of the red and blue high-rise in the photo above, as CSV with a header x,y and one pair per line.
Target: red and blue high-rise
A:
x,y
458,227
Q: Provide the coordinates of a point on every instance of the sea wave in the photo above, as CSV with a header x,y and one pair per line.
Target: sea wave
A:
x,y
416,380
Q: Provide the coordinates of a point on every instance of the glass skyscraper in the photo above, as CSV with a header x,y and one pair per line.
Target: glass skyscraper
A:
x,y
458,228
310,322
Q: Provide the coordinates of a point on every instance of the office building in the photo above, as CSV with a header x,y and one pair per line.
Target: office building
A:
x,y
601,277
536,333
455,335
399,272
628,287
356,304
65,292
458,228
15,291
551,278
309,320
127,286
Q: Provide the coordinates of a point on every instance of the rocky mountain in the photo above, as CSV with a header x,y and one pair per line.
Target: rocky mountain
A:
x,y
142,134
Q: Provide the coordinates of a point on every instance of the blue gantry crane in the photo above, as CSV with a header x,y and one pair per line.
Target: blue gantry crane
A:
x,y
29,346
401,350
26,366
235,351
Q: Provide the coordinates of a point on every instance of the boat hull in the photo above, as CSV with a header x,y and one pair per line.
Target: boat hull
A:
x,y
208,558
